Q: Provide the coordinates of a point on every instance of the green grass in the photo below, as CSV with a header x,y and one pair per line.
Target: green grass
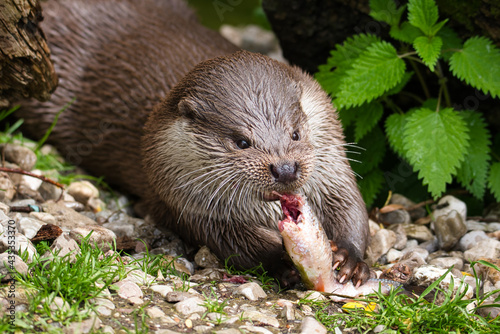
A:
x,y
267,282
399,313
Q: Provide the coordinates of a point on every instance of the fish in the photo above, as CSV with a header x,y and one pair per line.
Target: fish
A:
x,y
310,250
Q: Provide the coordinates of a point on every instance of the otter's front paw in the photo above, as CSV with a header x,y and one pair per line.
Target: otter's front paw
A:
x,y
351,268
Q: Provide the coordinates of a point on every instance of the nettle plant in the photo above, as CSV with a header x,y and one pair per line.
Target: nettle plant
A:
x,y
366,76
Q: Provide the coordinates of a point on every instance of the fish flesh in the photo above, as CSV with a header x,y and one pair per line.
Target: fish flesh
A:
x,y
310,250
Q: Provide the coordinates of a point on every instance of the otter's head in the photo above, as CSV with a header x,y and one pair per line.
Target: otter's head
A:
x,y
232,131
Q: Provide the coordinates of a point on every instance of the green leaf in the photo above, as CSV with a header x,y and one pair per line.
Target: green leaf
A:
x,y
478,64
394,128
494,180
367,116
331,74
370,185
377,70
451,42
437,27
423,14
399,87
474,170
347,116
405,32
429,49
386,11
435,143
373,153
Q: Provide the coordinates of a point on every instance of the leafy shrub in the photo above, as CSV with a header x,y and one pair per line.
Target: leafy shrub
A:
x,y
366,77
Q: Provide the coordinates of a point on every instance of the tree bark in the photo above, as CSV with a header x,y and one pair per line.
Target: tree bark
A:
x,y
25,66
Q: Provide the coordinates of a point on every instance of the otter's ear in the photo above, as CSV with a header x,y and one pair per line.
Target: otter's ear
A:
x,y
187,107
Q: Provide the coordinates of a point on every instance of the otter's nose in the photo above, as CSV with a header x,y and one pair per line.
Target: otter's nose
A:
x,y
286,172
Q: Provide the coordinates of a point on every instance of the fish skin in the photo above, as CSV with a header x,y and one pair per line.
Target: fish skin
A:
x,y
310,250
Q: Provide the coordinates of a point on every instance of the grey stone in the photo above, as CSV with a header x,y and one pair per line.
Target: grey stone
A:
x,y
255,329
163,290
21,244
155,312
311,325
20,155
401,238
430,245
252,291
82,191
29,226
449,229
8,188
450,203
121,229
86,326
380,243
45,217
66,218
206,259
399,216
415,252
177,296
128,289
102,237
418,232
50,192
262,318
9,262
471,239
448,262
393,255
191,305
489,248
62,246
427,274
140,277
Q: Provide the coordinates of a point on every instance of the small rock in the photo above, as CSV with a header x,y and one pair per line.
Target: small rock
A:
x,y
140,277
9,262
8,188
191,305
489,248
63,246
430,245
177,296
261,318
21,244
163,290
255,329
66,218
104,306
401,238
449,229
288,309
399,216
31,182
128,289
121,229
311,295
418,232
415,253
252,291
86,326
29,226
471,239
393,255
381,242
427,274
47,218
50,192
135,301
311,325
19,155
102,237
206,259
448,262
82,191
450,203
373,227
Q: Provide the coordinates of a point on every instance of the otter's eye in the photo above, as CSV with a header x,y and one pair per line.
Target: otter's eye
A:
x,y
243,144
295,136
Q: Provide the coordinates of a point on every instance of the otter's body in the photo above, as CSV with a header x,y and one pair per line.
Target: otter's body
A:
x,y
210,146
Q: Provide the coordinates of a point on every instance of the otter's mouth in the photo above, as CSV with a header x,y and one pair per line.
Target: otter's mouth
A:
x,y
271,196
291,204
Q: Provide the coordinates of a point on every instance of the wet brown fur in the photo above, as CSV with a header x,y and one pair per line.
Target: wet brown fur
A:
x,y
128,56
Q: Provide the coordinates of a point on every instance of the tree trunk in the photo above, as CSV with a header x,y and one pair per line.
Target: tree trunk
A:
x,y
25,66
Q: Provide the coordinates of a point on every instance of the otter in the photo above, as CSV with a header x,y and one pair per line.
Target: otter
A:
x,y
207,135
